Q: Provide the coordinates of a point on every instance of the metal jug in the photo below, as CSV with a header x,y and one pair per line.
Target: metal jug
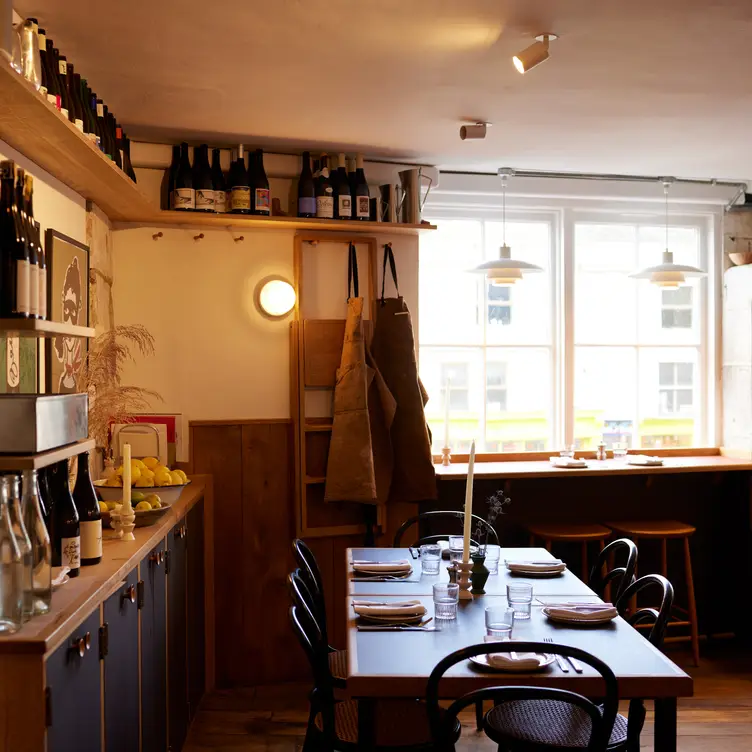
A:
x,y
412,206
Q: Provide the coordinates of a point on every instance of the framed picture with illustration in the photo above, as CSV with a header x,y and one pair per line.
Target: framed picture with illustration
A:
x,y
67,302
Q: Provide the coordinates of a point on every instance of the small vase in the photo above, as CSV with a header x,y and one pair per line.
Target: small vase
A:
x,y
479,574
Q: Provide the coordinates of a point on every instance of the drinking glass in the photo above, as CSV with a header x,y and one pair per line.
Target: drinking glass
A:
x,y
620,450
493,554
445,598
520,597
456,544
568,451
499,622
430,558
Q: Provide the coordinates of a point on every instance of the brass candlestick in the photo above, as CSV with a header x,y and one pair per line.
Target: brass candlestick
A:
x,y
463,579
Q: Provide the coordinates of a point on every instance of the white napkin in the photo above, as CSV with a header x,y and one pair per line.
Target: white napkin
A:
x,y
643,459
526,566
584,613
397,608
567,462
513,661
391,566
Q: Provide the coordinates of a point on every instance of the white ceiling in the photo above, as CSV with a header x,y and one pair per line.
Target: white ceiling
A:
x,y
632,86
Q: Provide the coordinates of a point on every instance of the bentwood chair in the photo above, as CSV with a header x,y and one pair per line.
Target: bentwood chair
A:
x,y
440,516
401,726
312,577
617,578
524,719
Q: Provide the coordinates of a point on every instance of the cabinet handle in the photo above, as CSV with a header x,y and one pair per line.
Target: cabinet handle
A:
x,y
157,558
81,645
181,532
130,594
87,641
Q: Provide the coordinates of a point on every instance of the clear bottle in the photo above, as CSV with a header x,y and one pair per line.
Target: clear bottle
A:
x,y
24,546
11,585
41,548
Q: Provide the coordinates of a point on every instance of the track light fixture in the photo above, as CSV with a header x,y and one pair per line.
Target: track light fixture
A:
x,y
535,54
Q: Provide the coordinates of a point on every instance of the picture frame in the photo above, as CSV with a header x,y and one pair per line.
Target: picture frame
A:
x,y
67,302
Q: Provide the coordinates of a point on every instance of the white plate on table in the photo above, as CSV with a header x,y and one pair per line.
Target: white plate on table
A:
x,y
398,574
482,661
578,620
536,572
396,619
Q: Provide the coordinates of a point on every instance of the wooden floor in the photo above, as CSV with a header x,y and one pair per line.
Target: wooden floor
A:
x,y
272,718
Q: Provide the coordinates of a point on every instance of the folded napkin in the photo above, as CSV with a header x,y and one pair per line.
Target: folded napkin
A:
x,y
567,462
512,660
527,566
584,613
391,566
643,459
365,562
396,608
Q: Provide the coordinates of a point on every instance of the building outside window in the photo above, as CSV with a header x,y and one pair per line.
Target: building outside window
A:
x,y
676,308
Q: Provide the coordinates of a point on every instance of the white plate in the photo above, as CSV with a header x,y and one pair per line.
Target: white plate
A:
x,y
382,573
537,572
482,661
574,619
395,619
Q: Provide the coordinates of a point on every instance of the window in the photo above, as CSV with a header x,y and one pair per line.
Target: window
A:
x,y
578,354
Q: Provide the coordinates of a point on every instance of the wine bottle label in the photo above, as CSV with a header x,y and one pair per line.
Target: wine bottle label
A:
x,y
63,67
205,200
23,304
34,289
91,539
43,91
43,292
100,109
307,205
12,368
362,207
70,552
240,198
183,198
52,99
325,207
344,206
261,200
79,124
220,202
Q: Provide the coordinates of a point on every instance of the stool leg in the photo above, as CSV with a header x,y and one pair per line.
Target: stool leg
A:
x,y
664,557
479,715
583,563
692,604
548,545
607,591
532,541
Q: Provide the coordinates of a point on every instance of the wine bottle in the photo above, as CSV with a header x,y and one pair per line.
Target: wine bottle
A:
x,y
240,190
183,194
109,119
24,546
89,516
306,189
202,179
47,89
66,540
316,168
119,142
342,195
11,602
127,165
41,551
362,196
95,117
21,293
66,107
324,192
352,177
102,126
8,263
218,183
43,305
76,108
260,186
169,178
53,73
90,121
22,197
46,498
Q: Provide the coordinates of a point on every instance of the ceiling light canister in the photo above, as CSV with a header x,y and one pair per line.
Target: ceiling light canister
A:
x,y
533,55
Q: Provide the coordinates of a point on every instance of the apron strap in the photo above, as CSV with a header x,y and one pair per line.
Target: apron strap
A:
x,y
352,272
388,256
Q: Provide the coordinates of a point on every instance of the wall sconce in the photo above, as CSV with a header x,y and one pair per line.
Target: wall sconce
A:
x,y
274,297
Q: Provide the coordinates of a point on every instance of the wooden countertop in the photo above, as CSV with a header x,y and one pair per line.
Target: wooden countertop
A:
x,y
75,600
544,468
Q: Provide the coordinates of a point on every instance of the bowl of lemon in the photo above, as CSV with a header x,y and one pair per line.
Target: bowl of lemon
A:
x,y
147,473
148,508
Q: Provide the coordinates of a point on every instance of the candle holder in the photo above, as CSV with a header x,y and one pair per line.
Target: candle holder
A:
x,y
463,579
127,522
446,456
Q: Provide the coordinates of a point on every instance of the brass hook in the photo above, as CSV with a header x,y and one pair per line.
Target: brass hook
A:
x,y
157,235
239,239
200,236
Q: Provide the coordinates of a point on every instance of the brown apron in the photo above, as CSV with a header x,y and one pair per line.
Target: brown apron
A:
x,y
393,348
359,464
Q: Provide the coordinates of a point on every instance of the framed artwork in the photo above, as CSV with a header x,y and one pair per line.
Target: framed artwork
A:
x,y
18,365
67,302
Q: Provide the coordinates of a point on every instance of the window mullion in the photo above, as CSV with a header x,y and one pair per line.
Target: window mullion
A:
x,y
564,334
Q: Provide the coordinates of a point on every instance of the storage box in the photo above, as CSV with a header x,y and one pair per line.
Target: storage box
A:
x,y
31,423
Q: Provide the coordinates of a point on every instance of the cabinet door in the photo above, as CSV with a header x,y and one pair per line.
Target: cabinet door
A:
x,y
196,609
177,691
74,686
121,668
154,652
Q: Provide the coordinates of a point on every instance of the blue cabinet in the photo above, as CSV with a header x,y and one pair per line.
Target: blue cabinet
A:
x,y
177,615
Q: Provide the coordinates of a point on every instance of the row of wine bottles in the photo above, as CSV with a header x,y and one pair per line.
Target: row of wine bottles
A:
x,y
56,79
328,194
44,525
23,265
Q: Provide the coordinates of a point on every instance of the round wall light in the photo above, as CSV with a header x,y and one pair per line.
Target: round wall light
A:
x,y
275,297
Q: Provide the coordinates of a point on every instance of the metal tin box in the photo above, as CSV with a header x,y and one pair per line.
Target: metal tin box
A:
x,y
31,423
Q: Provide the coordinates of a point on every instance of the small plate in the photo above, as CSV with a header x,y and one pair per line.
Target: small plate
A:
x,y
60,583
577,620
482,661
535,573
395,619
382,573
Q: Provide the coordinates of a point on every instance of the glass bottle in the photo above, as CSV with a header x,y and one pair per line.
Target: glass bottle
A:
x,y
11,590
41,549
24,546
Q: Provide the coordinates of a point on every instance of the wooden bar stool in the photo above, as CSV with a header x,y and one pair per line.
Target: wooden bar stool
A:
x,y
663,530
575,533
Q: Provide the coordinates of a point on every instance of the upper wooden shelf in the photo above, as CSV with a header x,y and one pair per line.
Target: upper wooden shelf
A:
x,y
18,462
250,222
32,126
37,328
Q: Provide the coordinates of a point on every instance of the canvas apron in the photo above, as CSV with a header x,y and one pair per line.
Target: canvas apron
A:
x,y
393,349
359,464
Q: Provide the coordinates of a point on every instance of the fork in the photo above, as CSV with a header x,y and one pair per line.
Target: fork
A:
x,y
562,665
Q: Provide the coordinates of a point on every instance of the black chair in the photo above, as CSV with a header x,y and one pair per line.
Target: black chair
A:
x,y
311,574
619,578
532,718
424,517
401,726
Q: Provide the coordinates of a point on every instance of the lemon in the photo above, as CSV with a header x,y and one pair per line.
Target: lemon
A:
x,y
176,478
103,507
143,483
119,471
137,496
163,479
111,505
135,473
114,482
182,475
156,505
138,463
143,506
146,473
150,462
151,498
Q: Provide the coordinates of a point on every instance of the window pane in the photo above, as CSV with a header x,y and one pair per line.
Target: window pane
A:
x,y
684,373
499,315
679,297
666,374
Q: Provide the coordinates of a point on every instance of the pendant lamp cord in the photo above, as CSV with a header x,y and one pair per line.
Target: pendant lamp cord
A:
x,y
665,192
504,210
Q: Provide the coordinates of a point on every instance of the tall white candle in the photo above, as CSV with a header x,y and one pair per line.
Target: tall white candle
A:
x,y
446,413
126,477
468,506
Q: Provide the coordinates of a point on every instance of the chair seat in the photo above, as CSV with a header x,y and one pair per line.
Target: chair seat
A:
x,y
550,723
398,723
338,664
570,532
652,528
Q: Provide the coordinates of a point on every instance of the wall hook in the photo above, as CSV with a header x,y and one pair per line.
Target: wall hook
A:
x,y
312,242
200,236
239,239
157,235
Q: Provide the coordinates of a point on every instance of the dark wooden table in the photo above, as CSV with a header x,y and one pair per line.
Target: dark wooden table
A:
x,y
398,664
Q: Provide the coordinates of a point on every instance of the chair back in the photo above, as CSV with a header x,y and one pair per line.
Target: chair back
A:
x,y
442,515
602,723
311,574
657,617
620,577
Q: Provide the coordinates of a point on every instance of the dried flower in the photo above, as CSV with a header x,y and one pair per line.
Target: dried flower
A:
x,y
496,504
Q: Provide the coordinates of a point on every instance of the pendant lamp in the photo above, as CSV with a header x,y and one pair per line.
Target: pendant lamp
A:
x,y
505,271
668,274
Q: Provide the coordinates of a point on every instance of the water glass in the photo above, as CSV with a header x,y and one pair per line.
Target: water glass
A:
x,y
499,622
620,451
430,558
520,597
493,553
456,545
445,599
568,451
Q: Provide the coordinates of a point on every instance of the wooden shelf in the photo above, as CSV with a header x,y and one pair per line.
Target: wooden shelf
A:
x,y
32,126
37,328
18,462
241,222
314,480
312,427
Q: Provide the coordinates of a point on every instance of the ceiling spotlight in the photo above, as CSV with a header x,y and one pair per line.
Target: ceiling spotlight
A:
x,y
535,54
